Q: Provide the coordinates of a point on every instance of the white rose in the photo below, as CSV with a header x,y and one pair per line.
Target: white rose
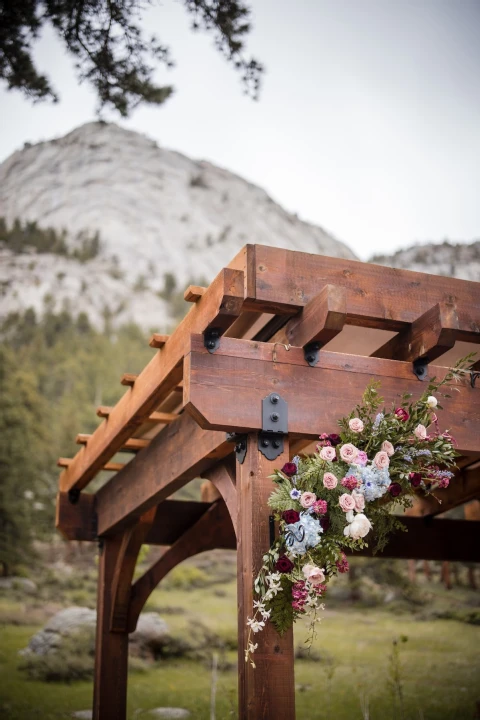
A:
x,y
432,401
359,527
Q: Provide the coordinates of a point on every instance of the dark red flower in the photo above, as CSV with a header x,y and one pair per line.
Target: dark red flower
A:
x,y
289,469
335,439
291,516
284,565
325,522
395,489
402,414
342,564
415,479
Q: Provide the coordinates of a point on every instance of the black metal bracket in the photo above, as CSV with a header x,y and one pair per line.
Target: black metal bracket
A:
x,y
274,426
311,353
74,495
420,368
211,339
240,445
474,375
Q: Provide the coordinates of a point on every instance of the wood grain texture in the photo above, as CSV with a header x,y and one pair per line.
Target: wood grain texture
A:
x,y
76,521
431,335
445,539
174,457
212,530
219,307
158,341
222,476
322,318
225,390
194,293
284,281
267,692
132,541
132,445
128,379
111,649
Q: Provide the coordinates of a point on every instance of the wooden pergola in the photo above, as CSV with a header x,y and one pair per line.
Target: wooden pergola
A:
x,y
257,386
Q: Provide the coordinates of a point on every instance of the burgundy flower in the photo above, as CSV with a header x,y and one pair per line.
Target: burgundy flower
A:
x,y
351,483
320,589
284,565
289,469
402,414
325,522
291,516
320,507
342,564
415,479
335,439
395,489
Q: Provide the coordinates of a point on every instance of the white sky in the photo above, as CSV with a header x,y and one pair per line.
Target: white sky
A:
x,y
368,123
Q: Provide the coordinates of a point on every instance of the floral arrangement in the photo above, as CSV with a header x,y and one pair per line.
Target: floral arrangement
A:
x,y
332,501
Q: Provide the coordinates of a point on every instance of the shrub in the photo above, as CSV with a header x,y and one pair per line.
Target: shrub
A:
x,y
73,660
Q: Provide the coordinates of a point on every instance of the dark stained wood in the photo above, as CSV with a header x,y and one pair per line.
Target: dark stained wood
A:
x,y
158,341
224,390
284,281
111,649
76,521
472,510
219,307
322,318
465,486
442,539
194,293
132,541
222,476
178,454
431,335
268,692
212,530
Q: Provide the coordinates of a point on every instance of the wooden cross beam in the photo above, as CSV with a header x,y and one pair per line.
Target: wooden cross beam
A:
x,y
225,390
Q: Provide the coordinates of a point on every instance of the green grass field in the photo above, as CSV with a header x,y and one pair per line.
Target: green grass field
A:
x,y
439,675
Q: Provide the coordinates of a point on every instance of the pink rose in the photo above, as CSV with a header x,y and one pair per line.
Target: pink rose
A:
x,y
348,453
359,500
420,432
307,499
355,425
381,460
314,574
329,481
320,507
361,458
328,453
388,448
346,502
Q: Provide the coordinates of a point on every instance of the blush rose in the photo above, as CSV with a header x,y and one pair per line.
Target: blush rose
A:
x,y
359,500
381,460
314,574
348,453
420,432
328,453
355,425
388,448
346,502
330,481
307,499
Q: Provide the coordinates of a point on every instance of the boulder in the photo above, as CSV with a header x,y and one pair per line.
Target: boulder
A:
x,y
168,712
150,636
20,583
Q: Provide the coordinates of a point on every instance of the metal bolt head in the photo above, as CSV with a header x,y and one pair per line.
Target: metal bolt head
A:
x,y
274,417
211,344
310,358
274,399
265,443
276,444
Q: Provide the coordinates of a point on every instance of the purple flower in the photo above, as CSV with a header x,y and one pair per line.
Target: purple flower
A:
x,y
295,494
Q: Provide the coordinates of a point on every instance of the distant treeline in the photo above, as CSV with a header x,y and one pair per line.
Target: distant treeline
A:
x,y
27,237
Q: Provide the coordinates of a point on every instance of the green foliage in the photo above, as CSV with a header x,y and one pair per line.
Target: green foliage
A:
x,y
29,237
73,660
110,49
281,606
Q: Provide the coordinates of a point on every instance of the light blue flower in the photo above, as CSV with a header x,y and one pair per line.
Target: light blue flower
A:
x,y
295,494
374,482
303,534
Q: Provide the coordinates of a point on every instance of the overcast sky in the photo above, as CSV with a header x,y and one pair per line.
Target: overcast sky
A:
x,y
368,123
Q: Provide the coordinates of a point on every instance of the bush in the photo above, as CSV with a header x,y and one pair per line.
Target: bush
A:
x,y
73,660
185,577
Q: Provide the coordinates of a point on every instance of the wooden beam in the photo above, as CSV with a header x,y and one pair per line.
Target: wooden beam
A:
x,y
431,335
174,457
284,281
268,691
212,530
194,293
132,541
465,486
111,649
218,308
108,467
158,341
128,379
132,445
442,539
322,318
222,476
472,510
224,390
76,521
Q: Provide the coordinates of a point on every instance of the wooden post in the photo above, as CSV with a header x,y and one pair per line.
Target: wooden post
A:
x,y
268,691
111,648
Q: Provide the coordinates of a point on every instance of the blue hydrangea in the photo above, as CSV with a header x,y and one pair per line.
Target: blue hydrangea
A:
x,y
375,482
377,421
303,534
